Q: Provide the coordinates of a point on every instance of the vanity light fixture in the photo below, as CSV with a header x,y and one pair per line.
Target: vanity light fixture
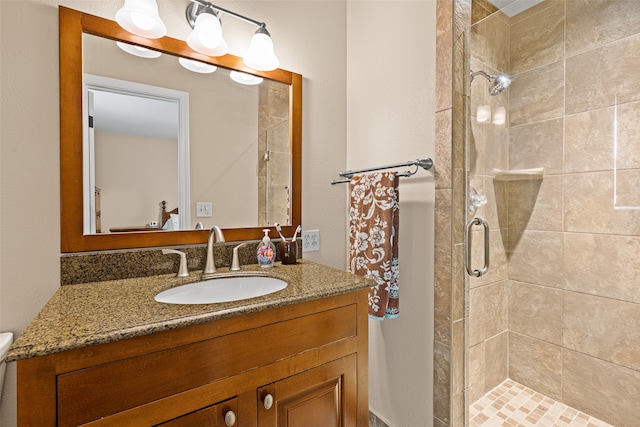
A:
x,y
197,66
207,38
244,78
140,17
140,51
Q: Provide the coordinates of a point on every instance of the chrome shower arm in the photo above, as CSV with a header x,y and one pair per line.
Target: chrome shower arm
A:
x,y
482,73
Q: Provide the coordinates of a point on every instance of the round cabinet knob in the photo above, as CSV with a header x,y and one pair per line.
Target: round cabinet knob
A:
x,y
230,418
268,401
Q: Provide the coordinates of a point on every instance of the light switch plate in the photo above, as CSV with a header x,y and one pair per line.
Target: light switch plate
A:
x,y
204,209
311,241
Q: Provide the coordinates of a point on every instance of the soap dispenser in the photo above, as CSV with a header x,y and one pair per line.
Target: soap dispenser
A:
x,y
266,251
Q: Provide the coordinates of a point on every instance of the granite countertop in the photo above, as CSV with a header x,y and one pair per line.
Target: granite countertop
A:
x,y
100,312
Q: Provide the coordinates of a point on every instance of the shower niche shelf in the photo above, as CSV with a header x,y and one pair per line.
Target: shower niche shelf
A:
x,y
517,174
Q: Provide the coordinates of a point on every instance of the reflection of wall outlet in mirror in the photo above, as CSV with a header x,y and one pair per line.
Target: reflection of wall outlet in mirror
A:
x,y
153,224
311,241
203,209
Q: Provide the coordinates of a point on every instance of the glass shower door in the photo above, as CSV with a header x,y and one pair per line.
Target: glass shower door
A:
x,y
490,183
503,181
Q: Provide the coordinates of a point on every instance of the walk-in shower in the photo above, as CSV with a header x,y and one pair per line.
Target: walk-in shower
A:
x,y
553,325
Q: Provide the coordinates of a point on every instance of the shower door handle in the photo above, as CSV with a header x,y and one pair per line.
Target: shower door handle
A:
x,y
467,246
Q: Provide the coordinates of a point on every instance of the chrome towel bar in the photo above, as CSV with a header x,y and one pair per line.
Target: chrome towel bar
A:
x,y
425,164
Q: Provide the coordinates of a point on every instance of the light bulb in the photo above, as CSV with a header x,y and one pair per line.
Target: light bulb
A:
x,y
144,22
244,78
197,66
206,37
140,51
260,55
140,17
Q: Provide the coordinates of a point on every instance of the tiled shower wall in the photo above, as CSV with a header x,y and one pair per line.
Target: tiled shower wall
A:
x,y
563,294
452,18
274,154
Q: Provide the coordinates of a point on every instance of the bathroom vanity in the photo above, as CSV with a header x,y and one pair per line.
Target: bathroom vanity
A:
x,y
107,354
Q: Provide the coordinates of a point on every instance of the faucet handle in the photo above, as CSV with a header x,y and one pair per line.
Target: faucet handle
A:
x,y
183,271
235,263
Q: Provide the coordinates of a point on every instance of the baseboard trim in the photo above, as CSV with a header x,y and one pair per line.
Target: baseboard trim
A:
x,y
374,421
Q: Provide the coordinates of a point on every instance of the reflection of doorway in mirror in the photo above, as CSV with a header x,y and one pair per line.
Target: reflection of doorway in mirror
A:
x,y
134,174
130,126
274,156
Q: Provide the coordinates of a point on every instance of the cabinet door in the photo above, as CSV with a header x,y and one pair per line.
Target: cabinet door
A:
x,y
320,397
218,415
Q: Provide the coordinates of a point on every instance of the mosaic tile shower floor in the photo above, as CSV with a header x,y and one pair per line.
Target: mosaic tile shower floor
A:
x,y
513,405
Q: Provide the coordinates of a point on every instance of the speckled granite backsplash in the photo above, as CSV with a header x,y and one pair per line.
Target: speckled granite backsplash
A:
x,y
89,267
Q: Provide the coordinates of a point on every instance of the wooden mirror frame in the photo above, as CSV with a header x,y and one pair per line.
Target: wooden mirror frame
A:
x,y
72,25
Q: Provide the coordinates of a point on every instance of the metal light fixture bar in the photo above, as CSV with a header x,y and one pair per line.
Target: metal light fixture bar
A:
x,y
193,10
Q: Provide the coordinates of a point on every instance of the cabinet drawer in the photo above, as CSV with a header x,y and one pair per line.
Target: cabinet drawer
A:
x,y
211,416
96,392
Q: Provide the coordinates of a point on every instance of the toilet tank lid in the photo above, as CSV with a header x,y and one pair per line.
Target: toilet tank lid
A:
x,y
6,339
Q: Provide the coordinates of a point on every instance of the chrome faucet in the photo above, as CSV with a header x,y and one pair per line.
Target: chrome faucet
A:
x,y
210,264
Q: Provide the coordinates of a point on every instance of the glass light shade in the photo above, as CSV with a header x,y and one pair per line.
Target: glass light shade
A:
x,y
206,37
499,116
140,51
197,66
260,55
140,17
244,78
483,113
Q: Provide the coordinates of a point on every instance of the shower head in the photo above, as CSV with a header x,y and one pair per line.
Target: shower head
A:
x,y
498,83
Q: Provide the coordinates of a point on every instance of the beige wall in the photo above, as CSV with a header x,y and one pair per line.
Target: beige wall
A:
x,y
29,176
390,110
571,296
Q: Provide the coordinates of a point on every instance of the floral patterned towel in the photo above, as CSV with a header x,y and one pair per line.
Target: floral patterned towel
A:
x,y
373,239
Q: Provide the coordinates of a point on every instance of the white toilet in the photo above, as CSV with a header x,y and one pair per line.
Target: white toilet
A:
x,y
6,339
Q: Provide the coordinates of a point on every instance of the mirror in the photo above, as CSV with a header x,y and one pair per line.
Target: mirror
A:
x,y
161,132
77,31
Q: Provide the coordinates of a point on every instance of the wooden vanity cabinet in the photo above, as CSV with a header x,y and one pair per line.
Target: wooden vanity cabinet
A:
x,y
310,358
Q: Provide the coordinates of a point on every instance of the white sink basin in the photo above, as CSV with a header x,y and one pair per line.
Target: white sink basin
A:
x,y
221,289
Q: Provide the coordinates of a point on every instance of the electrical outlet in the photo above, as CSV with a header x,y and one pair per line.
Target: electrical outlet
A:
x,y
203,209
311,241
